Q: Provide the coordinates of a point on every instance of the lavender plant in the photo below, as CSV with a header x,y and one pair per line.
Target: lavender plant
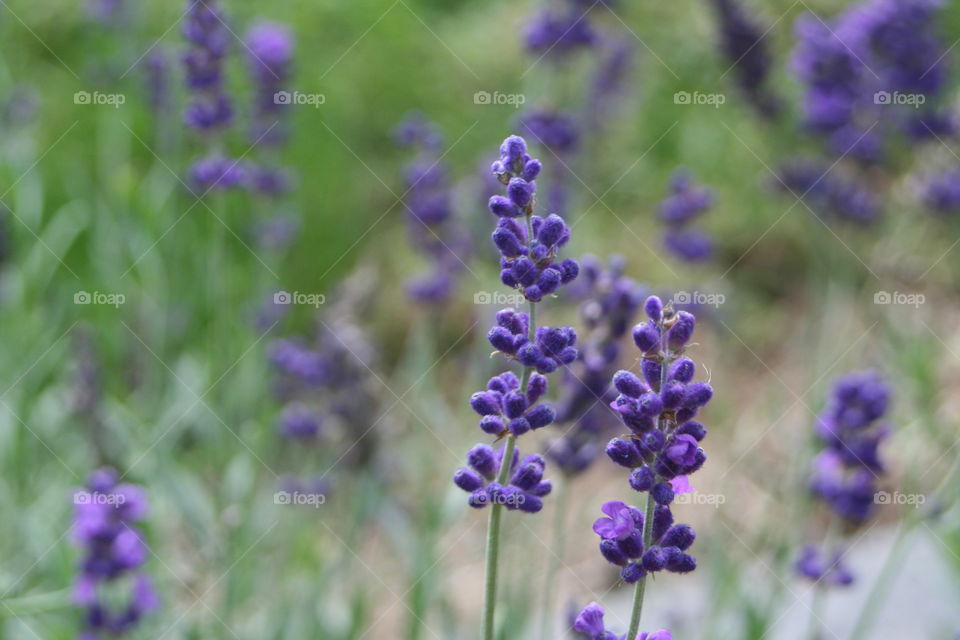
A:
x,y
846,471
106,514
678,211
433,227
742,43
210,109
662,451
529,262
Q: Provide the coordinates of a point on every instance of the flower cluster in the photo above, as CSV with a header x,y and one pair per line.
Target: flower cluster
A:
x,y
559,31
610,301
528,252
590,622
686,203
742,43
846,470
880,60
269,54
622,541
328,390
504,407
659,408
827,193
209,40
106,514
434,229
551,347
524,491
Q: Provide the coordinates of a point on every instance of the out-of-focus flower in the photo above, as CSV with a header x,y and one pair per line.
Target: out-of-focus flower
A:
x,y
434,229
742,42
105,520
683,206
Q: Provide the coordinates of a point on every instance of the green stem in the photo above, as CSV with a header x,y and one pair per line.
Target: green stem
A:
x,y
638,592
496,513
556,557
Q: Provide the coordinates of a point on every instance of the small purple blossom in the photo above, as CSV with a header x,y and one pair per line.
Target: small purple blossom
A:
x,y
269,49
590,622
742,43
209,39
504,408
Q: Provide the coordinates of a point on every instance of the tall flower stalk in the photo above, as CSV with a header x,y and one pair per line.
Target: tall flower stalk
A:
x,y
528,246
663,449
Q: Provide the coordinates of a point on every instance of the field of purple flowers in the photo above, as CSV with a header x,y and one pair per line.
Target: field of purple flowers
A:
x,y
425,319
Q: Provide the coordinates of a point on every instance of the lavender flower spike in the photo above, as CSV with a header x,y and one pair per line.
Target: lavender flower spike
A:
x,y
105,527
846,471
683,206
658,406
529,247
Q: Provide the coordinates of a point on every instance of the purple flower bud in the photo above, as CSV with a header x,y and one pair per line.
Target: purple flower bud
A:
x,y
485,403
519,426
697,394
629,384
624,453
610,550
651,373
662,493
527,476
492,425
682,370
508,243
502,207
501,339
632,544
680,536
569,269
662,521
653,308
521,192
514,404
542,489
646,336
642,479
654,559
695,429
681,563
536,388
534,294
530,504
552,230
682,330
467,480
672,395
481,459
541,416
632,573
549,281
531,170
